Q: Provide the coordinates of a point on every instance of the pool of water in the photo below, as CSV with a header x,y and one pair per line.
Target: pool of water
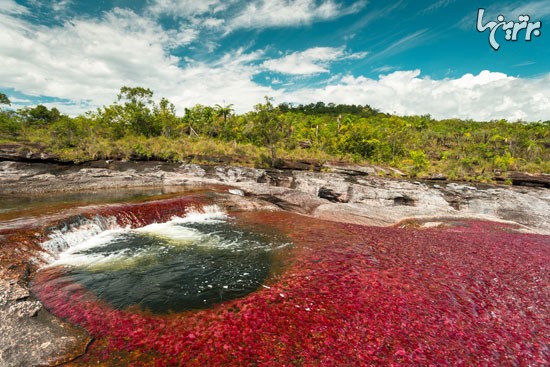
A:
x,y
189,262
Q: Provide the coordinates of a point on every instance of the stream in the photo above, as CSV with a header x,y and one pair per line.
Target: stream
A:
x,y
180,279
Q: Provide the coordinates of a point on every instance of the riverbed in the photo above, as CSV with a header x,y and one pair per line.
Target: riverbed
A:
x,y
219,275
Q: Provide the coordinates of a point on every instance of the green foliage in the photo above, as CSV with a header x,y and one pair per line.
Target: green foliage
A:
x,y
200,121
39,116
136,127
320,108
10,125
419,160
268,128
4,99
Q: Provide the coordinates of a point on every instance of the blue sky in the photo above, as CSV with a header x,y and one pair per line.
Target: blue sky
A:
x,y
404,57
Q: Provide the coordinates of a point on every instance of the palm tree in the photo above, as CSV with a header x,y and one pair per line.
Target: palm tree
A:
x,y
224,111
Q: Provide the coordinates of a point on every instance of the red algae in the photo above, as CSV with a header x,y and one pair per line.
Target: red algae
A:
x,y
473,294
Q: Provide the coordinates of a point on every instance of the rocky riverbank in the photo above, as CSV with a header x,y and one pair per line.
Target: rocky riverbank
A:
x,y
342,193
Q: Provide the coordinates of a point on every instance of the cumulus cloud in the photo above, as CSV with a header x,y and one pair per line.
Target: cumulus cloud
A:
x,y
92,58
86,57
310,61
486,96
86,61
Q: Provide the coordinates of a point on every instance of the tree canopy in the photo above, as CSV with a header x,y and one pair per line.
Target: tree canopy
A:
x,y
4,99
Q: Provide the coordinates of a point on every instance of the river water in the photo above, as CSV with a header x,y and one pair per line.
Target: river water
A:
x,y
189,262
173,279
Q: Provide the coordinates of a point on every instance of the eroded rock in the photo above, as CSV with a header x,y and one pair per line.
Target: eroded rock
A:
x,y
346,194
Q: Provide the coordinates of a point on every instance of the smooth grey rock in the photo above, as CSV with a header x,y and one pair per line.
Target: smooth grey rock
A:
x,y
377,200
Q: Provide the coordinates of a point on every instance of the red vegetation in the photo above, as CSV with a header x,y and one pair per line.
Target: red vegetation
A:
x,y
20,239
475,294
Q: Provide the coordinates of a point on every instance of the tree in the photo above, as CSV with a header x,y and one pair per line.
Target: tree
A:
x,y
224,112
165,116
269,127
4,99
138,106
199,120
40,115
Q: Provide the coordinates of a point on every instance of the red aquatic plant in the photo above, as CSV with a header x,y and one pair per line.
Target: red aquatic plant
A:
x,y
475,293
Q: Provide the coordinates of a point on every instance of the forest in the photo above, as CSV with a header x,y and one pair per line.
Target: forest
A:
x,y
137,127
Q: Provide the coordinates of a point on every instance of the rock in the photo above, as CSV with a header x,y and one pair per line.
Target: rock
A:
x,y
375,199
38,340
349,169
301,165
526,179
331,195
24,309
30,336
236,192
404,200
27,153
435,177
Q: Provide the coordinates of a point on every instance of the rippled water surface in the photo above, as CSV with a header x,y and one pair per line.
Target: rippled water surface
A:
x,y
187,263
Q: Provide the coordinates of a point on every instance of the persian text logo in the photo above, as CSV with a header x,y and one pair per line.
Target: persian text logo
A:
x,y
511,28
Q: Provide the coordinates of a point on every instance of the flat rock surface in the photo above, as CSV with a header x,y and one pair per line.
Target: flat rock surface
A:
x,y
30,336
346,194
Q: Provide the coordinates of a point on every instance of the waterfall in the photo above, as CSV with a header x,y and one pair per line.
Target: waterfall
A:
x,y
75,230
71,234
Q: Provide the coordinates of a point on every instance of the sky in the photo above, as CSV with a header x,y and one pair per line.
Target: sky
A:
x,y
401,57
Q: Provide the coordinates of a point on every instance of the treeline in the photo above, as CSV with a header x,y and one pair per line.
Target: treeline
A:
x,y
137,127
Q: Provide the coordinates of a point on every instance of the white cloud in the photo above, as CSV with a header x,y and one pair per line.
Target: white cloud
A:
x,y
85,58
536,9
11,7
485,96
403,44
90,59
285,13
184,8
438,5
383,69
60,5
311,61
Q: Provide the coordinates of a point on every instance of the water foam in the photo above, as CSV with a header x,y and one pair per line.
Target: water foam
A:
x,y
72,235
72,244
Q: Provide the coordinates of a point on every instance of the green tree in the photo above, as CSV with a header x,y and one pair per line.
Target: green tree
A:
x,y
165,117
4,99
9,126
268,127
199,120
40,116
224,112
138,106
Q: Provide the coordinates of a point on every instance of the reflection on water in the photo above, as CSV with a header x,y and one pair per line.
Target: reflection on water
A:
x,y
14,206
187,263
